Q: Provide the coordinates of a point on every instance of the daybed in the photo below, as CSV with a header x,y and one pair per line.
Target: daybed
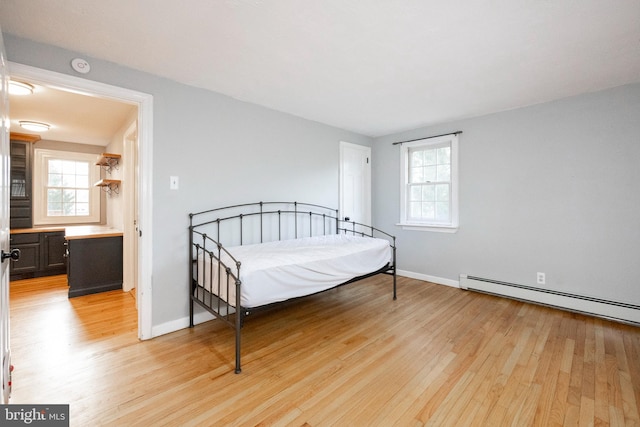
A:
x,y
251,256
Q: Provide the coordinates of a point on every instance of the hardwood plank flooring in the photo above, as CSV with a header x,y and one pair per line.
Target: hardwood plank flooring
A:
x,y
348,357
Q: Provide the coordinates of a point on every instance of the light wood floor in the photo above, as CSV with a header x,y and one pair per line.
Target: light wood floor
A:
x,y
349,357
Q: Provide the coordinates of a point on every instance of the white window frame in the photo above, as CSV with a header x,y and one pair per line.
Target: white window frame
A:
x,y
40,217
407,224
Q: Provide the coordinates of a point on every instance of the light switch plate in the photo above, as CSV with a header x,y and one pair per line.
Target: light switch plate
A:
x,y
173,182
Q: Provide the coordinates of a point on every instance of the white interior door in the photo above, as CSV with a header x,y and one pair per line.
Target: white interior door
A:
x,y
130,235
355,182
5,374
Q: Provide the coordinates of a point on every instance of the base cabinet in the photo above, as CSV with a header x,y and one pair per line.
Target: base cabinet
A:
x,y
94,265
41,254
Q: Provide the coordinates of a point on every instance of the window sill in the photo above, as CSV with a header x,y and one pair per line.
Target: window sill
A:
x,y
428,227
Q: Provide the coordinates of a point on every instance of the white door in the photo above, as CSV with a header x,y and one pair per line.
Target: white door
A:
x,y
5,375
355,182
130,238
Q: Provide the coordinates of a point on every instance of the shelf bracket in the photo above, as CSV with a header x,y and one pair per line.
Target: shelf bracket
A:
x,y
109,161
110,186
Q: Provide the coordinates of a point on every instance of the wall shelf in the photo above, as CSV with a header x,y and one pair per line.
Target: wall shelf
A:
x,y
111,186
108,161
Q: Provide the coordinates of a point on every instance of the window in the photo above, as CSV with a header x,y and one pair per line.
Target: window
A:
x,y
429,177
63,190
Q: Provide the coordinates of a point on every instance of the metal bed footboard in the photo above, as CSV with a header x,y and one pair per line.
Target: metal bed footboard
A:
x,y
357,229
255,223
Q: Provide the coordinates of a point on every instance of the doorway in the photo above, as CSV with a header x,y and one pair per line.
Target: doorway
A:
x,y
144,103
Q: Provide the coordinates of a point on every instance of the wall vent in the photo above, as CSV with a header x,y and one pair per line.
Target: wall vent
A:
x,y
613,310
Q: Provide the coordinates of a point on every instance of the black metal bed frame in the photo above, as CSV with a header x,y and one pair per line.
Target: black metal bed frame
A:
x,y
258,223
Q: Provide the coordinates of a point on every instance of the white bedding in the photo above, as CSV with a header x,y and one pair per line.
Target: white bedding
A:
x,y
277,271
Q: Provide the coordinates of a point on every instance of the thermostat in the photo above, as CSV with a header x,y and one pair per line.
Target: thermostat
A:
x,y
80,65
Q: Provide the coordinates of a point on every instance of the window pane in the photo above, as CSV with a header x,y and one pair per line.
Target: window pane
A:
x,y
428,193
430,157
68,167
415,209
442,192
428,210
54,195
415,193
444,155
68,209
54,209
444,173
430,173
442,211
416,158
68,181
82,168
417,174
69,196
82,209
82,196
82,181
55,180
55,166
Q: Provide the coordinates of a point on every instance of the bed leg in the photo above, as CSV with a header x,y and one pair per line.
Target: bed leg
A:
x,y
239,320
394,269
394,285
190,312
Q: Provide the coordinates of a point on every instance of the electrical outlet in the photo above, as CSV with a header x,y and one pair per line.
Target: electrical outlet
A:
x,y
541,278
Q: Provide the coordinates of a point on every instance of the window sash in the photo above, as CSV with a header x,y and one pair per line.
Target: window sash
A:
x,y
67,188
429,202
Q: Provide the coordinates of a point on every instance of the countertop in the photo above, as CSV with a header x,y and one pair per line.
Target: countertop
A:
x,y
75,231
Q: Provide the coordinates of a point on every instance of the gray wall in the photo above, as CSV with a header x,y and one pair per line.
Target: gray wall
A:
x,y
224,151
551,188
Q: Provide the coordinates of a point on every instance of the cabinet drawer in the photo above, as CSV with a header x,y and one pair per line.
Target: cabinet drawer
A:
x,y
24,238
20,211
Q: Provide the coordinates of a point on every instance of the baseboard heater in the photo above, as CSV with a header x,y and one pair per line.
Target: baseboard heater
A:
x,y
613,310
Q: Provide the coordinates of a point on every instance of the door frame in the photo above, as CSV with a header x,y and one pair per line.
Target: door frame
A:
x,y
130,223
144,102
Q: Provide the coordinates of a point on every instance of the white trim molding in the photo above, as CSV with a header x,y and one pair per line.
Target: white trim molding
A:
x,y
428,278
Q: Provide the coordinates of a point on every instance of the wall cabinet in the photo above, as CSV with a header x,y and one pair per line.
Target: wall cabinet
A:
x,y
41,254
20,194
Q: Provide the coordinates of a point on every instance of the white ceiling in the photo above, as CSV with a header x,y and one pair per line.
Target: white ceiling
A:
x,y
371,66
73,117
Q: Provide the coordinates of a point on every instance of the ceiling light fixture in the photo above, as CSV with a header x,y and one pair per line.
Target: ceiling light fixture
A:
x,y
34,126
20,88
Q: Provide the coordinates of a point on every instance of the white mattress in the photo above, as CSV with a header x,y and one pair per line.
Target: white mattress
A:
x,y
277,271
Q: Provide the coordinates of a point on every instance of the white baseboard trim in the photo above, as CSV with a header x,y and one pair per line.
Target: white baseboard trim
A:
x,y
181,323
428,278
